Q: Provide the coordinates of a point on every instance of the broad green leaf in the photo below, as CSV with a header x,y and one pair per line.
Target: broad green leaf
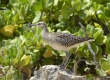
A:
x,y
37,6
59,26
107,13
14,61
48,53
108,58
81,33
99,37
94,47
99,54
77,6
101,40
23,0
102,60
7,30
108,5
16,18
98,1
1,58
5,62
66,11
98,31
25,60
60,3
55,3
84,14
108,45
16,2
37,17
1,21
105,66
90,29
49,3
62,53
68,2
22,12
101,72
29,42
85,3
56,15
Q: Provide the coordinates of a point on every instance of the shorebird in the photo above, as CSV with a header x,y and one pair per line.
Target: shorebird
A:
x,y
60,41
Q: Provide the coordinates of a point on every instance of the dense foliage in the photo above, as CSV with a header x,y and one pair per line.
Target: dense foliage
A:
x,y
22,49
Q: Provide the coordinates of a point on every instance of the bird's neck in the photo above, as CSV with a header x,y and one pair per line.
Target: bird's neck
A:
x,y
45,30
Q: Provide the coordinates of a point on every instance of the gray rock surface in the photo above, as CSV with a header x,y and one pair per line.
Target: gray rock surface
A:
x,y
52,72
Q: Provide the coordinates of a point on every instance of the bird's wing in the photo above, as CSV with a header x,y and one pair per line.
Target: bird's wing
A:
x,y
66,39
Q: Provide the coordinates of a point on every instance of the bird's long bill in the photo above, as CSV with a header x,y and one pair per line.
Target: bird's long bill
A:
x,y
32,24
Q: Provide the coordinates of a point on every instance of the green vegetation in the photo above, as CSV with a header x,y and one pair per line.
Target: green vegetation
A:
x,y
22,50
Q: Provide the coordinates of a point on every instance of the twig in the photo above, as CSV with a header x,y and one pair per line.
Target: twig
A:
x,y
76,64
89,46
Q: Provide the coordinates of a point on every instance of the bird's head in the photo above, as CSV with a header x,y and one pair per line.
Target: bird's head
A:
x,y
41,24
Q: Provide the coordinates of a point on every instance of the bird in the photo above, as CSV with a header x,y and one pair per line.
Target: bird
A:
x,y
60,41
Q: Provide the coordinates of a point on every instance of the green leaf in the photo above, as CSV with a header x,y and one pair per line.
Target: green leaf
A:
x,y
16,18
84,14
25,60
1,21
5,62
105,66
81,33
49,3
62,53
98,31
108,44
99,37
59,26
102,60
23,0
14,61
60,3
108,5
22,12
29,42
100,40
107,13
94,47
77,6
37,6
55,3
56,15
101,72
90,29
108,58
98,1
16,2
85,3
66,11
37,17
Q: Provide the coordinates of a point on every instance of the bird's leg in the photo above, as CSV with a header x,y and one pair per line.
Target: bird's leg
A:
x,y
65,61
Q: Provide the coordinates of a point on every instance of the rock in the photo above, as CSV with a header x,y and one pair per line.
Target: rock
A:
x,y
53,72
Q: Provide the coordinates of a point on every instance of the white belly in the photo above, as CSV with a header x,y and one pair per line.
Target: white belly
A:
x,y
60,47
